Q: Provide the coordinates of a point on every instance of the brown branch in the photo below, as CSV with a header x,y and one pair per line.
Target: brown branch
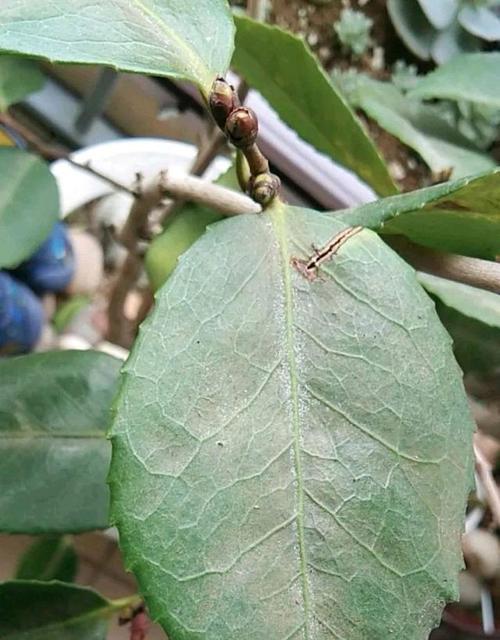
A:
x,y
151,195
485,473
185,189
483,274
208,152
256,9
486,416
193,189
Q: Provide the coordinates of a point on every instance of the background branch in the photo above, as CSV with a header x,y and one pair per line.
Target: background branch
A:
x,y
151,195
257,9
485,472
53,152
483,274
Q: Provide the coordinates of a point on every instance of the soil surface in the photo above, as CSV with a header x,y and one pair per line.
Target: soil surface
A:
x,y
314,20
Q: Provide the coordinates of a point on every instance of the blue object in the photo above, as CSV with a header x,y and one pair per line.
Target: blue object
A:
x,y
52,266
21,316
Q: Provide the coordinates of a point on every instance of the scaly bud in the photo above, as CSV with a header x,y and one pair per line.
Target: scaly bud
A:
x,y
264,187
222,100
242,127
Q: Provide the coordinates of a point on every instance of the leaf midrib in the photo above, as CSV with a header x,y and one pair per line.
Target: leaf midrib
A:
x,y
194,62
279,226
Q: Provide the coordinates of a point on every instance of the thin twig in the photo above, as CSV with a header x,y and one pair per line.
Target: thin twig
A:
x,y
257,9
151,195
111,181
54,152
193,189
182,188
120,329
208,152
485,472
483,274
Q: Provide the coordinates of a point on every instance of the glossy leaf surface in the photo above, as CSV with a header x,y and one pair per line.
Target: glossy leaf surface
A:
x,y
189,39
54,411
291,455
29,205
461,216
49,558
55,611
18,78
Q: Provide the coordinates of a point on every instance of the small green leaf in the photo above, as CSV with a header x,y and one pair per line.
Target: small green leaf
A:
x,y
49,558
18,78
474,77
419,126
472,318
29,205
53,417
32,610
281,67
293,452
461,216
189,39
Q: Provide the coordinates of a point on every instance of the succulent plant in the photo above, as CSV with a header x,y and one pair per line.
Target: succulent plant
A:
x,y
479,123
440,29
353,29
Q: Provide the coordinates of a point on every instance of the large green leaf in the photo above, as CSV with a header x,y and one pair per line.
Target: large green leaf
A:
x,y
29,205
472,318
53,418
18,78
281,67
419,126
474,77
291,455
53,611
190,39
462,216
49,558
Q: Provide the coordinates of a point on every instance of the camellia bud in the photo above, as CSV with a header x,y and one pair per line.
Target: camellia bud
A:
x,y
264,187
222,100
242,127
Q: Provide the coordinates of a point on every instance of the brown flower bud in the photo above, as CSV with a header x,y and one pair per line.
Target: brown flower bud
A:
x,y
264,187
222,100
242,127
